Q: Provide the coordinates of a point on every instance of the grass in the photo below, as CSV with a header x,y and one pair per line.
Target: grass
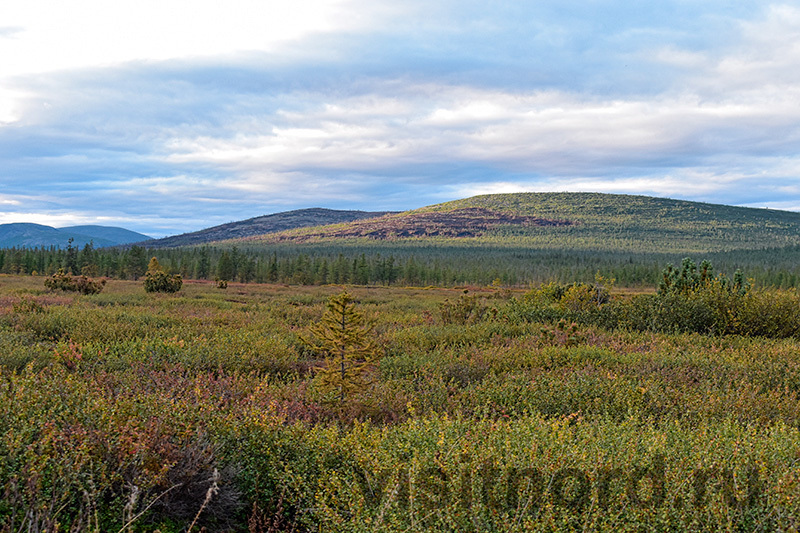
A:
x,y
122,410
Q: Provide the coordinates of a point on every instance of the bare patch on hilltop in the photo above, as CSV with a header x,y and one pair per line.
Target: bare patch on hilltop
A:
x,y
467,222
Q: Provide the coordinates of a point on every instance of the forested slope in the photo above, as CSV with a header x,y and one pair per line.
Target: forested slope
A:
x,y
513,239
586,221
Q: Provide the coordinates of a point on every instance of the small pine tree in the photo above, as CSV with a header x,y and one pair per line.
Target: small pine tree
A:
x,y
348,342
690,280
156,280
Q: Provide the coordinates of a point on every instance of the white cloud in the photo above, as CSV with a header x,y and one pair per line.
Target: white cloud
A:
x,y
671,55
732,110
55,220
6,200
89,33
541,132
10,106
766,58
42,36
679,183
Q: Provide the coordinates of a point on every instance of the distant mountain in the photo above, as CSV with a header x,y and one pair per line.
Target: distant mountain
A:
x,y
263,225
568,221
108,233
28,235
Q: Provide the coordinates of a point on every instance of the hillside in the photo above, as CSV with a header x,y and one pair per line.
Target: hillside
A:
x,y
515,239
587,221
263,225
28,235
108,233
463,222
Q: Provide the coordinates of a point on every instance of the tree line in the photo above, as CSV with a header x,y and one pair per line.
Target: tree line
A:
x,y
443,264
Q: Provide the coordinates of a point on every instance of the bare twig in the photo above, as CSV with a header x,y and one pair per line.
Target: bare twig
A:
x,y
212,490
135,518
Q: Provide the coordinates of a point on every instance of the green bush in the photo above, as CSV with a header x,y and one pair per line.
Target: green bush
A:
x,y
552,302
692,300
156,280
82,284
689,300
769,313
465,310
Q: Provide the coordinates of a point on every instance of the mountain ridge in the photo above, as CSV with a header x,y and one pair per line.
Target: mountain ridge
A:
x,y
262,225
569,220
31,235
578,221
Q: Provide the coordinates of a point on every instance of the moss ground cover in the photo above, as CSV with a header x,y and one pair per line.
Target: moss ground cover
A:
x,y
134,411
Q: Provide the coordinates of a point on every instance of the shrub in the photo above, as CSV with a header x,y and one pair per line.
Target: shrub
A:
x,y
546,294
156,280
689,300
583,302
769,313
582,298
82,284
692,300
27,306
466,310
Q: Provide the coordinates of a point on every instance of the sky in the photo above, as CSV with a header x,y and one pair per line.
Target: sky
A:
x,y
169,116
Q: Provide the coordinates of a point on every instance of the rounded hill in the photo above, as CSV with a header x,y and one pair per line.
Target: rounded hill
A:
x,y
570,220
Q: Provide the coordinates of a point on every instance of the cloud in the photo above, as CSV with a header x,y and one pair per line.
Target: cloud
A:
x,y
6,200
682,183
60,220
10,31
57,36
540,132
394,107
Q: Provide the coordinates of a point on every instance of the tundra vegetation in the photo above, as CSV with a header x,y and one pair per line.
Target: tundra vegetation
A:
x,y
560,406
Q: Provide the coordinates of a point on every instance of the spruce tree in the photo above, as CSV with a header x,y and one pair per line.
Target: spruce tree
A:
x,y
71,258
203,264
225,269
272,270
136,262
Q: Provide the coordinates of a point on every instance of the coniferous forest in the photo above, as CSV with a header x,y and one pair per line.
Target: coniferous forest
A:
x,y
449,265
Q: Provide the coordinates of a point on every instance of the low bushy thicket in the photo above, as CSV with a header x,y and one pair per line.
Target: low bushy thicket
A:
x,y
712,310
466,309
688,300
66,282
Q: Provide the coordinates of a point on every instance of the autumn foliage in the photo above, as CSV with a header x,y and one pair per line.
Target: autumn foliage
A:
x,y
228,411
66,282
